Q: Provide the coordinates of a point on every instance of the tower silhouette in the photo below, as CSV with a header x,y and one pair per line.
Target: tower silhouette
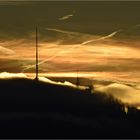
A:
x,y
36,78
77,80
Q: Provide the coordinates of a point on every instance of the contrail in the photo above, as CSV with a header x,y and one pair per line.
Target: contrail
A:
x,y
32,66
62,31
101,38
6,51
86,42
75,33
67,32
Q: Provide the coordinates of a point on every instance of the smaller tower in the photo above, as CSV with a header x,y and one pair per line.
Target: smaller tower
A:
x,y
77,80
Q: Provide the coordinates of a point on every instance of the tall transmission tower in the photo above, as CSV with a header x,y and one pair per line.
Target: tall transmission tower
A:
x,y
36,78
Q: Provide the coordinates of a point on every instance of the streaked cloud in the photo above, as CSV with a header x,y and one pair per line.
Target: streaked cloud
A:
x,y
65,17
6,51
10,2
62,31
138,25
33,66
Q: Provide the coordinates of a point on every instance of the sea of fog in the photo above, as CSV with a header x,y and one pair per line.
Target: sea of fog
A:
x,y
122,87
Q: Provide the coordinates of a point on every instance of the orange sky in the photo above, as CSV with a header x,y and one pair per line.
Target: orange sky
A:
x,y
71,38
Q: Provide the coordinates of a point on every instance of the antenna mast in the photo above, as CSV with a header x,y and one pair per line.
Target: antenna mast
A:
x,y
77,80
36,78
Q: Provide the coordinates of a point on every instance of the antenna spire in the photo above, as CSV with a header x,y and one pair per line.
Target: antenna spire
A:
x,y
77,81
36,78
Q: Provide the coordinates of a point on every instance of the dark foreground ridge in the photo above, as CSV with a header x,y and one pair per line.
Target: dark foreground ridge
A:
x,y
30,109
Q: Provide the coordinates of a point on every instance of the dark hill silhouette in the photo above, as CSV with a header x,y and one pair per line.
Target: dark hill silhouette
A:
x,y
31,109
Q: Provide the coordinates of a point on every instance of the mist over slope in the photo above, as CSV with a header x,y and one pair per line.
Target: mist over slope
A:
x,y
125,93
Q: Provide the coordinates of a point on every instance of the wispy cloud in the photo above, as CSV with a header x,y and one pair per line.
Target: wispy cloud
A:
x,y
33,66
66,16
61,53
6,51
138,25
100,38
62,31
70,48
9,3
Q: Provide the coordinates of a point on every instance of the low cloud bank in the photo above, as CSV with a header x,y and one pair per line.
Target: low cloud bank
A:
x,y
7,75
66,83
126,94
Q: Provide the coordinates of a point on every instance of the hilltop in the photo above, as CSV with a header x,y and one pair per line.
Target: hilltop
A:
x,y
31,109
